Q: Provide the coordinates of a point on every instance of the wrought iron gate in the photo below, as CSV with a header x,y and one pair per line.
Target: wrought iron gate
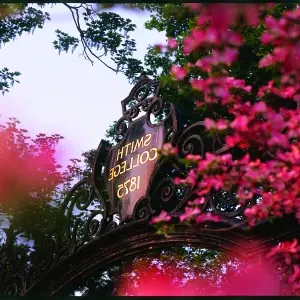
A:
x,y
111,222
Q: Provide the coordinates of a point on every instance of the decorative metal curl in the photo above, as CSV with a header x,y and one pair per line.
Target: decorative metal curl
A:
x,y
11,290
146,104
190,141
225,205
92,225
82,197
121,127
164,194
189,145
111,225
156,109
145,90
134,112
194,140
14,284
142,209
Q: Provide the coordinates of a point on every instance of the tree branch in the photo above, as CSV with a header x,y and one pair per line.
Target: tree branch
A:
x,y
86,47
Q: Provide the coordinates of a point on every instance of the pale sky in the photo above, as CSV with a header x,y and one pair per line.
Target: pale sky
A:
x,y
64,93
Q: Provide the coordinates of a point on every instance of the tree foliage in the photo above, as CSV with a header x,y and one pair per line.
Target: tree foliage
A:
x,y
32,187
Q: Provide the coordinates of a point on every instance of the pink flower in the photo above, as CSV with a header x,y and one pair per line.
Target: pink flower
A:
x,y
193,157
230,55
260,107
232,141
192,177
193,6
267,61
222,124
189,213
178,180
168,149
240,123
278,139
297,97
172,43
266,38
219,125
209,124
202,20
288,92
221,92
235,39
198,201
178,72
162,217
285,247
208,217
251,14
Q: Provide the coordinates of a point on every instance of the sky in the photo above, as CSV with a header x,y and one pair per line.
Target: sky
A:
x,y
64,93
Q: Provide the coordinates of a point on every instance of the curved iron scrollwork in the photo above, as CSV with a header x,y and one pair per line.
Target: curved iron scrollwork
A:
x,y
141,96
142,209
124,122
85,212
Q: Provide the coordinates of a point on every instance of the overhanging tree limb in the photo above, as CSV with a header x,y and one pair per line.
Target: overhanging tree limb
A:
x,y
86,47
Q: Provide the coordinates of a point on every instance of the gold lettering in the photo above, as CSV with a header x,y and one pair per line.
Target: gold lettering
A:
x,y
120,153
139,143
147,157
137,161
111,174
126,146
147,140
155,153
120,187
132,144
141,159
131,159
123,167
116,175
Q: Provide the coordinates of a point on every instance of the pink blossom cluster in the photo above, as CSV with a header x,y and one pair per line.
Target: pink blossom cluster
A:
x,y
290,252
226,57
219,88
284,35
170,46
253,125
168,149
193,212
274,182
162,217
260,126
206,38
273,179
178,72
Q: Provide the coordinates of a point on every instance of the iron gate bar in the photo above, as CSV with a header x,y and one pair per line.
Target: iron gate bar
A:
x,y
139,237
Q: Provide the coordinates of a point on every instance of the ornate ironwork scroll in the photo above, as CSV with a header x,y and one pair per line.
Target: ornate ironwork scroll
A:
x,y
147,123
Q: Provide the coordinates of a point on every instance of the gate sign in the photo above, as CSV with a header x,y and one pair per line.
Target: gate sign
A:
x,y
130,165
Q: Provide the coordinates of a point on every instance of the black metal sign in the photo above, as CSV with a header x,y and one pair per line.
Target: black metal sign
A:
x,y
130,165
